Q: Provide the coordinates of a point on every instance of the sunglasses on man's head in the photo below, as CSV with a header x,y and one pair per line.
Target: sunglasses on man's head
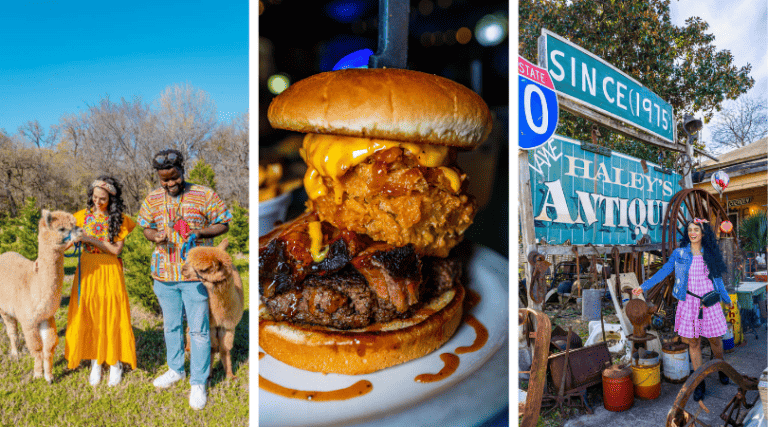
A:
x,y
165,161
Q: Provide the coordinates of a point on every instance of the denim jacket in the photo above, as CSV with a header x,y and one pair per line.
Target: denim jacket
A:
x,y
681,261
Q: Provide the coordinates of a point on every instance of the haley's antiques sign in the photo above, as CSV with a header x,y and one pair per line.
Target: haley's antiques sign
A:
x,y
588,197
588,80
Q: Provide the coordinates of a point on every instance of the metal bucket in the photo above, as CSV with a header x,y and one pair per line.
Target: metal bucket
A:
x,y
651,358
647,381
728,340
676,362
618,390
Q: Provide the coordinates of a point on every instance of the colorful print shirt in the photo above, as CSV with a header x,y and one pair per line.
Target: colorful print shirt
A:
x,y
199,206
97,225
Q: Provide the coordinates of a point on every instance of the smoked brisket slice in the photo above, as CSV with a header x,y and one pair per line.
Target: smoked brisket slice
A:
x,y
344,300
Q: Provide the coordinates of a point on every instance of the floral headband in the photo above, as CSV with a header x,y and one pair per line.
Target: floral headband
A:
x,y
700,221
109,188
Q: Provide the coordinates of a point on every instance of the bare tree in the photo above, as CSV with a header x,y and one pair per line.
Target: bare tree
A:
x,y
227,152
72,131
187,117
35,133
743,123
119,138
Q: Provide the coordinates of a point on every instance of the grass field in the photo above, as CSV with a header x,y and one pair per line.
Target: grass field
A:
x,y
71,401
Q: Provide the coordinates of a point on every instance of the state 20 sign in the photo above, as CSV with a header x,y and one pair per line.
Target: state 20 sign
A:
x,y
538,110
586,197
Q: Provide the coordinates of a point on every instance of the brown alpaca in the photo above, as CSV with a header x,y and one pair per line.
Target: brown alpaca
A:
x,y
31,291
213,266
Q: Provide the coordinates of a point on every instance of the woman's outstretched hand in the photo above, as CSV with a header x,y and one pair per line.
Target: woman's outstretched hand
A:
x,y
637,292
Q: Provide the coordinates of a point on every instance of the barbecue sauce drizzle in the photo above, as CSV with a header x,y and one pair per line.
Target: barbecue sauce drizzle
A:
x,y
355,390
451,363
451,360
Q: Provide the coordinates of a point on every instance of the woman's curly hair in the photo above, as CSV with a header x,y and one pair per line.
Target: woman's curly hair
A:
x,y
713,258
115,207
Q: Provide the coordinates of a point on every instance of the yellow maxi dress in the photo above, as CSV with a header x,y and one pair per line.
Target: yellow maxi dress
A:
x,y
99,318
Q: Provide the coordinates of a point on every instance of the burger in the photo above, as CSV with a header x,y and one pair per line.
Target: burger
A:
x,y
370,275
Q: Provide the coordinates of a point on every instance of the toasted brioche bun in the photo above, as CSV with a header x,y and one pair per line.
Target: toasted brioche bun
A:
x,y
362,351
386,103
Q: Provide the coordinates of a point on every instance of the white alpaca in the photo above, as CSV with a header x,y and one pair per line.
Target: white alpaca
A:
x,y
30,292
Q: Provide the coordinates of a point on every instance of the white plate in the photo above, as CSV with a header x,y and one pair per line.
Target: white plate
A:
x,y
394,389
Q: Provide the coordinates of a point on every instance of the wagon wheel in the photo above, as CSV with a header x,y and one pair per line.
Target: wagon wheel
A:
x,y
734,412
685,204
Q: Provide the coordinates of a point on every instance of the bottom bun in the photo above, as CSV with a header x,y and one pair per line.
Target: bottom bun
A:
x,y
366,350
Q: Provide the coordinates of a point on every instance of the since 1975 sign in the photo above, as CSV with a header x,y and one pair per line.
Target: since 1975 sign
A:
x,y
587,79
586,197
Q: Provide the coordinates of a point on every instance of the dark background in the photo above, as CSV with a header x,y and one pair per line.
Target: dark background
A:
x,y
299,39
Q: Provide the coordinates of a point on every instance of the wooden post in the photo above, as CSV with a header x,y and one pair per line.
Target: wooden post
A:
x,y
687,177
525,209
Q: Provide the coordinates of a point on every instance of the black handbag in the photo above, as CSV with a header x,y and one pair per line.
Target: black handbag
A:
x,y
708,300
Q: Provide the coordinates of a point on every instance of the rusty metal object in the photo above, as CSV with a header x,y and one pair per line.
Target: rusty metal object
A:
x,y
584,368
558,339
572,372
734,412
639,314
539,265
615,255
538,379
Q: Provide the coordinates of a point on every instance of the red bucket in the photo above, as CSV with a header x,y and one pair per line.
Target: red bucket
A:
x,y
618,390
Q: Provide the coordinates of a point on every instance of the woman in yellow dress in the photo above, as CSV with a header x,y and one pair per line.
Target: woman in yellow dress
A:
x,y
99,319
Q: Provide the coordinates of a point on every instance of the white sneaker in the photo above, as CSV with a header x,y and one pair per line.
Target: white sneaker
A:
x,y
115,374
95,377
168,379
198,397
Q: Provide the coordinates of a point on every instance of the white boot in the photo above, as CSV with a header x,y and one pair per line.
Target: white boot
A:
x,y
95,373
115,374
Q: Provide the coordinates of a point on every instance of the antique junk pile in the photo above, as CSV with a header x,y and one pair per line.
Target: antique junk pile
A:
x,y
563,368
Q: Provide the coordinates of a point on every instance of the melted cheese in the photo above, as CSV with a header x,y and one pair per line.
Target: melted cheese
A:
x,y
332,156
453,178
316,239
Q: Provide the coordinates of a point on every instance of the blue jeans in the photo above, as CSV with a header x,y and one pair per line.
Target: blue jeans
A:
x,y
193,298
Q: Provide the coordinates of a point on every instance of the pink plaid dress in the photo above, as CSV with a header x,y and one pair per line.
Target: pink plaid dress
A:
x,y
687,322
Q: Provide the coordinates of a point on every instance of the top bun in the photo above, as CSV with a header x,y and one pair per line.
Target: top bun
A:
x,y
385,103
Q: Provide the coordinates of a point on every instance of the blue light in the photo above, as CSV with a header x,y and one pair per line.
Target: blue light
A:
x,y
357,59
345,11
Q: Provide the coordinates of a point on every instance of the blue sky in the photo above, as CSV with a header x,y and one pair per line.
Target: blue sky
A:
x,y
59,56
739,27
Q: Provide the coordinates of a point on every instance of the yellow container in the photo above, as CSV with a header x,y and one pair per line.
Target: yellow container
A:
x,y
647,381
734,317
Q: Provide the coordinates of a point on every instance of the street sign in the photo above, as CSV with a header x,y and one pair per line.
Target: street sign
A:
x,y
590,81
581,195
538,109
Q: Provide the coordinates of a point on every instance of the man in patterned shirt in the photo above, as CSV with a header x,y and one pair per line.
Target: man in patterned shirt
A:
x,y
176,217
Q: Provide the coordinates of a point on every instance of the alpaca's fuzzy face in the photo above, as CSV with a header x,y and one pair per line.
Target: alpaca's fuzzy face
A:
x,y
57,229
208,264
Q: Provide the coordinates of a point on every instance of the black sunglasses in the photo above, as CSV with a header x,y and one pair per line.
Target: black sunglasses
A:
x,y
166,161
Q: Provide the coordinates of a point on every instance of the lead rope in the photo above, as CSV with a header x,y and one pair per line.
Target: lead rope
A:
x,y
77,254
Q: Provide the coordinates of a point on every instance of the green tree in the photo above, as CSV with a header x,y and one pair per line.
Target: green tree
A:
x,y
19,233
137,258
680,64
754,232
202,174
238,230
